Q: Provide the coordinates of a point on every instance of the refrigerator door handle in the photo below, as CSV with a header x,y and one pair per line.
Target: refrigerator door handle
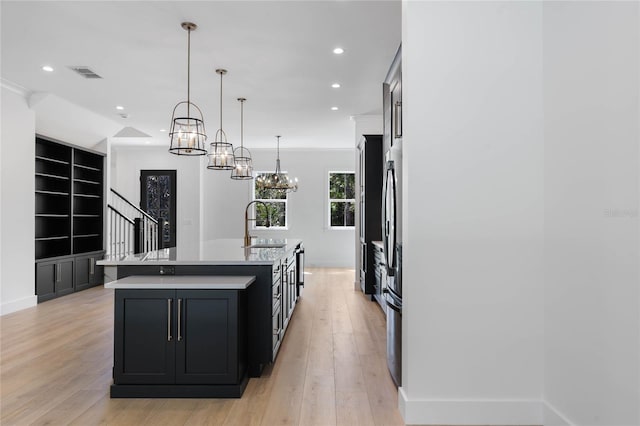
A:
x,y
392,305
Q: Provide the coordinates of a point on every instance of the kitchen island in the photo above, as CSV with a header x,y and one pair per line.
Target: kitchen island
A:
x,y
264,307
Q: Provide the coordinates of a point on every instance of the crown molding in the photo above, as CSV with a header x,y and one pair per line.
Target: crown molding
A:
x,y
15,88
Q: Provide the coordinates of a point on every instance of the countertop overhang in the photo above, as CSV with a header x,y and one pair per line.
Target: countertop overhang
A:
x,y
195,282
210,252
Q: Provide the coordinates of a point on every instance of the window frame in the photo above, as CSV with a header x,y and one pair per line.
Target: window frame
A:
x,y
285,201
343,200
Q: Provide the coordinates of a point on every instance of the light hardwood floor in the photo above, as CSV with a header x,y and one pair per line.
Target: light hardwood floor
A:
x,y
56,360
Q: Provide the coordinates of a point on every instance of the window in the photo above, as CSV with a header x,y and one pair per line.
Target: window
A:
x,y
342,203
276,202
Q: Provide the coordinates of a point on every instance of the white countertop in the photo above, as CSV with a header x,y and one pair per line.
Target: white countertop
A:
x,y
207,282
211,252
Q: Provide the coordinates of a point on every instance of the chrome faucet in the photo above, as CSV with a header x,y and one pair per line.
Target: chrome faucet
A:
x,y
247,237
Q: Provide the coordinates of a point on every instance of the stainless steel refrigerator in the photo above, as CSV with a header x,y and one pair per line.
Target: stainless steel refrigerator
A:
x,y
392,241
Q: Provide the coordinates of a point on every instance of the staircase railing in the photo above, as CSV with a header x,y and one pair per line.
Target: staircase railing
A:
x,y
131,229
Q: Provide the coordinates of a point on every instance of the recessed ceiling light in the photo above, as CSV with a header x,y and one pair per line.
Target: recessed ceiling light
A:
x,y
335,85
163,130
338,50
47,68
334,108
119,108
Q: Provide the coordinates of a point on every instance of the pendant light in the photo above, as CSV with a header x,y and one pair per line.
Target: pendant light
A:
x,y
221,154
277,180
188,135
243,169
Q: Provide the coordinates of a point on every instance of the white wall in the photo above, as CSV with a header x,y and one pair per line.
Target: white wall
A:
x,y
224,202
17,203
592,314
126,164
473,213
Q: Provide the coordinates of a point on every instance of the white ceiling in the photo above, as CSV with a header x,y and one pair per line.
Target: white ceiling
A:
x,y
278,54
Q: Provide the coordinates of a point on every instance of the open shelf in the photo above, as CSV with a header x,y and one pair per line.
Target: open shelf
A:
x,y
51,160
64,237
87,167
52,176
87,181
51,192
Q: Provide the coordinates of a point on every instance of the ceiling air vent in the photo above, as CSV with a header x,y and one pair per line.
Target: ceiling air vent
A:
x,y
84,71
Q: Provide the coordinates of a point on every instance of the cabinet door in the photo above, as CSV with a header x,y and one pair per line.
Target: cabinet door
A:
x,y
207,337
45,281
64,277
96,272
82,272
87,273
144,337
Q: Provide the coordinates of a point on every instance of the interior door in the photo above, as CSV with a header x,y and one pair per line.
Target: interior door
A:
x,y
158,198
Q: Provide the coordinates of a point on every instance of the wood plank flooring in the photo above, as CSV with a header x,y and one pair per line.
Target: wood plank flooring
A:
x,y
56,360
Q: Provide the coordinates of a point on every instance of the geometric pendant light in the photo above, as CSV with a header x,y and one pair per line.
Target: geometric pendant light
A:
x,y
188,135
221,152
243,168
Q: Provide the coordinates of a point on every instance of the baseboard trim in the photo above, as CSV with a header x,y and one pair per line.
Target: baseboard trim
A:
x,y
469,412
18,305
552,417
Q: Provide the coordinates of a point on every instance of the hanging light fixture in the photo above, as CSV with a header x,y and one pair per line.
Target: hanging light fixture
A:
x,y
188,135
221,154
277,180
243,169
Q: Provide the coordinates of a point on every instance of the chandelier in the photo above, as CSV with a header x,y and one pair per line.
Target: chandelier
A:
x,y
221,154
277,180
243,168
188,135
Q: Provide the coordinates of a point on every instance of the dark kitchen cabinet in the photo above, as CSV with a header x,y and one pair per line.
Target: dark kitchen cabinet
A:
x,y
144,337
54,278
87,273
193,338
69,205
392,103
370,161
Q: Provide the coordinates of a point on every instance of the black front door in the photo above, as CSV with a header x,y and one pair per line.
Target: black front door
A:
x,y
158,199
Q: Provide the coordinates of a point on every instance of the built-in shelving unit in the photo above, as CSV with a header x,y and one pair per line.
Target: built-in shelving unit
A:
x,y
53,203
87,202
69,209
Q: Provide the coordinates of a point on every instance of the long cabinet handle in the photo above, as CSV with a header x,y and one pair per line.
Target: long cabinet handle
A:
x,y
168,320
92,266
179,320
398,119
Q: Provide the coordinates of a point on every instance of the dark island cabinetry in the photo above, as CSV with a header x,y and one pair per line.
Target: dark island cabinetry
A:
x,y
68,218
180,343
